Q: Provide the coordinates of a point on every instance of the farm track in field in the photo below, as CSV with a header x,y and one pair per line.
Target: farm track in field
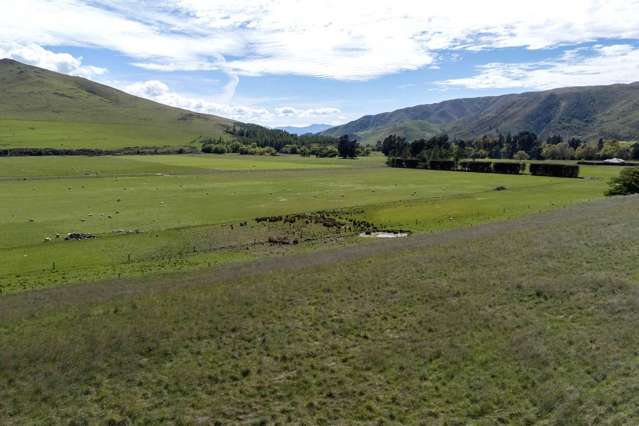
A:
x,y
37,302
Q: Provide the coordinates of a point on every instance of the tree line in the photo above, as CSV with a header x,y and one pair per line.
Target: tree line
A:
x,y
522,146
252,139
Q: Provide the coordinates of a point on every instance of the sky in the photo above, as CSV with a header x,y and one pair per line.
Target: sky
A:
x,y
299,62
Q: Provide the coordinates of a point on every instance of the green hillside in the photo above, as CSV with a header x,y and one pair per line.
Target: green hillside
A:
x,y
611,112
40,108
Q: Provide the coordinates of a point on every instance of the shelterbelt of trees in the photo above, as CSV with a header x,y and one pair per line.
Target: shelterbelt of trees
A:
x,y
252,139
522,146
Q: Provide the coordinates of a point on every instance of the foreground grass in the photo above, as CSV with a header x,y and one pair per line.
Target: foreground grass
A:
x,y
527,322
147,211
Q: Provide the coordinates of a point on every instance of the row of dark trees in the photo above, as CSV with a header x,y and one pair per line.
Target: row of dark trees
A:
x,y
257,140
482,166
522,146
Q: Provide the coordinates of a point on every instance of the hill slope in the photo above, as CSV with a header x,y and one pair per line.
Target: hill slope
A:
x,y
41,108
586,112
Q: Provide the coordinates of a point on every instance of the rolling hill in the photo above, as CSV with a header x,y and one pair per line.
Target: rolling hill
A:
x,y
41,108
586,112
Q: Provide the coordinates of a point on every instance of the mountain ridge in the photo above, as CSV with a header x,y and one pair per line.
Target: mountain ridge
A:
x,y
589,112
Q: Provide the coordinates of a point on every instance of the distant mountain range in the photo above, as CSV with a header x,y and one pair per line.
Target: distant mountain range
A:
x,y
313,128
611,112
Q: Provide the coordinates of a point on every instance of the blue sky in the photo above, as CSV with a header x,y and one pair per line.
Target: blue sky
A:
x,y
298,62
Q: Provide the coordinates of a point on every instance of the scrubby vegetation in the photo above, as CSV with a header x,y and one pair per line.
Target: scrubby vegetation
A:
x,y
626,183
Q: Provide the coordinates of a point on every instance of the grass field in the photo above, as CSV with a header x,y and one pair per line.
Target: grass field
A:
x,y
173,213
531,321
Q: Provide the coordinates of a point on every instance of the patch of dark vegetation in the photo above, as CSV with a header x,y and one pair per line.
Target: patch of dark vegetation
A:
x,y
79,236
146,150
329,219
554,170
626,183
283,240
476,166
508,168
501,188
441,165
501,167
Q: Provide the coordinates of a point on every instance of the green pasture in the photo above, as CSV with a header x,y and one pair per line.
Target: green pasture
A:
x,y
146,208
527,322
98,135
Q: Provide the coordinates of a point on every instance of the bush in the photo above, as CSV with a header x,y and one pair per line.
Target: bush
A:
x,y
477,166
554,170
508,168
214,149
326,152
247,150
626,183
521,156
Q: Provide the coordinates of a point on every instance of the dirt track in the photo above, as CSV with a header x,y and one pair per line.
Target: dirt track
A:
x,y
32,303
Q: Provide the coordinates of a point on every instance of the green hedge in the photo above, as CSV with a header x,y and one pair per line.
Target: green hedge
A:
x,y
508,168
442,165
554,170
477,166
410,163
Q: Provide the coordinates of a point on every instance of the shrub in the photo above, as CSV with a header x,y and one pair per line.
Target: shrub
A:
x,y
521,156
554,170
218,149
477,166
441,165
626,183
247,150
508,168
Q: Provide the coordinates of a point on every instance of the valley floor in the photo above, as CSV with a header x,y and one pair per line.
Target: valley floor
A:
x,y
531,320
166,214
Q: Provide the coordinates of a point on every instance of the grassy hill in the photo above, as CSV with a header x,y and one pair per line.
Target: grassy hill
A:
x,y
586,112
40,108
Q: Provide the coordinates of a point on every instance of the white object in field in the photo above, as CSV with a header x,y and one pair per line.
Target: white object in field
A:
x,y
614,161
383,234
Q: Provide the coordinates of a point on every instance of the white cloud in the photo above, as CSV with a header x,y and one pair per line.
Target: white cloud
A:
x,y
578,67
357,39
43,58
286,115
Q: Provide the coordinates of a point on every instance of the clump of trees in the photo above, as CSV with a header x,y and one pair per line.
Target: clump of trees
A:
x,y
251,139
522,146
626,183
347,147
